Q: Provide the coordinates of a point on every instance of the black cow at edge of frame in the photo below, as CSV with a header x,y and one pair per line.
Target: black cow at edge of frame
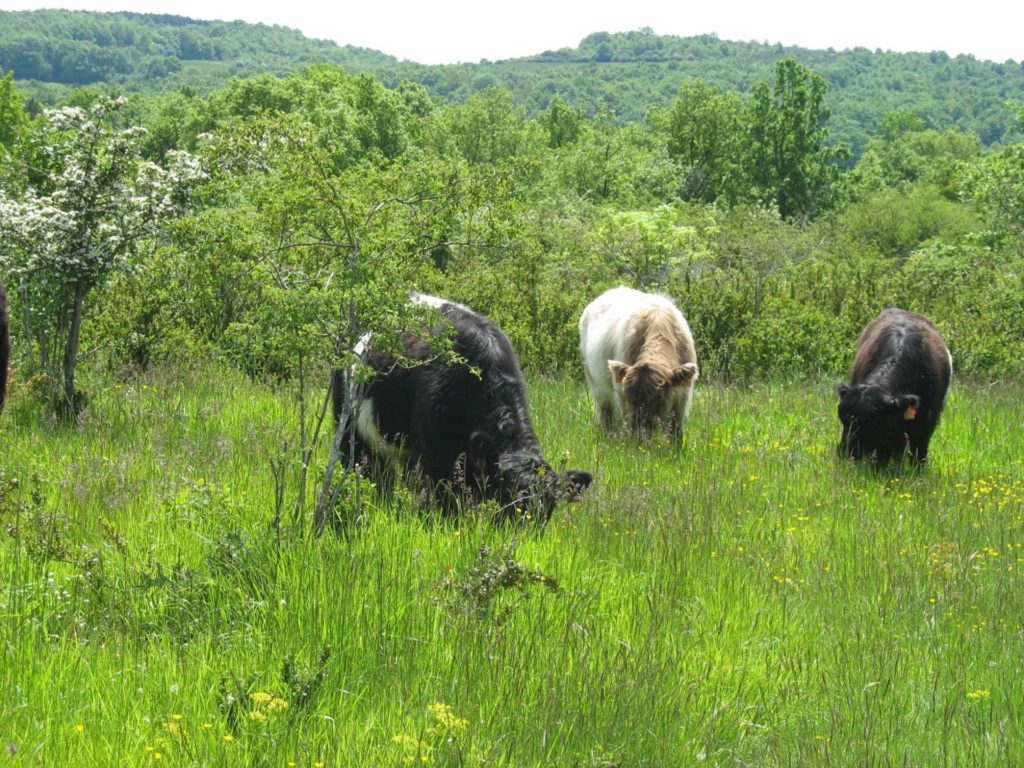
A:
x,y
460,427
897,388
5,345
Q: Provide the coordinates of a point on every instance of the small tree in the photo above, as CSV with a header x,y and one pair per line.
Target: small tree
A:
x,y
562,122
791,164
12,112
646,248
88,207
703,129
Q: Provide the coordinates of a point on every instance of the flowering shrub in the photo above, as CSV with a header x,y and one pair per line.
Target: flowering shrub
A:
x,y
86,207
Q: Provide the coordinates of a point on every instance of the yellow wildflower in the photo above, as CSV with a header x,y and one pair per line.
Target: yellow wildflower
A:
x,y
445,716
277,705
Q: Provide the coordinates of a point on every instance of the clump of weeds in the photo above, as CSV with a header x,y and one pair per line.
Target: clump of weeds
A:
x,y
493,586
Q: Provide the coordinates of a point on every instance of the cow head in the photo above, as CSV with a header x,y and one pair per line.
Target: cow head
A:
x,y
874,421
520,480
647,389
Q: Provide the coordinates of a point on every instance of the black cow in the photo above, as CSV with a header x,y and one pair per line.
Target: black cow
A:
x,y
461,427
5,345
897,388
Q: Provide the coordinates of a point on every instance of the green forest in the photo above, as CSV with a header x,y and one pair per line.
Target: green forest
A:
x,y
200,221
53,52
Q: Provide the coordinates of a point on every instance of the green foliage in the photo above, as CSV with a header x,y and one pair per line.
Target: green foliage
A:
x,y
791,164
906,152
331,196
996,186
704,128
303,681
610,164
646,249
896,221
489,128
12,113
562,122
977,295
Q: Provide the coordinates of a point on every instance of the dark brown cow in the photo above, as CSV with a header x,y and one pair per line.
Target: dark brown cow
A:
x,y
897,388
5,345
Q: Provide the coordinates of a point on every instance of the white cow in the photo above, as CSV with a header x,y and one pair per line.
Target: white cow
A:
x,y
639,359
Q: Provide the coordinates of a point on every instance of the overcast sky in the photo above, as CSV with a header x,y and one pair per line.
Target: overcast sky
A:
x,y
449,31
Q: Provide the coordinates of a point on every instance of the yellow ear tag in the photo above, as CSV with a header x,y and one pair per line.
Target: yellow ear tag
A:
x,y
910,414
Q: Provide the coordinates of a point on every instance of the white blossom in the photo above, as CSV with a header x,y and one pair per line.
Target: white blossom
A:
x,y
82,223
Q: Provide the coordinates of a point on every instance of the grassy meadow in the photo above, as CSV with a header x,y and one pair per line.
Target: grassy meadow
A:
x,y
742,599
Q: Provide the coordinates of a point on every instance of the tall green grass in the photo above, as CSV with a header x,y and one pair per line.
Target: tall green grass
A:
x,y
743,598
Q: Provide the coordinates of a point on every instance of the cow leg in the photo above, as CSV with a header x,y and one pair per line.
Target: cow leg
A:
x,y
919,435
919,448
604,412
680,412
360,455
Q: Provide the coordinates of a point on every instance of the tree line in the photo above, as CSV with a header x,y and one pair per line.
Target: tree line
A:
x,y
51,52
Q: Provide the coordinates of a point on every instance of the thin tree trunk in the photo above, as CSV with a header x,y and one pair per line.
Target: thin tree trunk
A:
x,y
26,328
5,344
71,353
330,490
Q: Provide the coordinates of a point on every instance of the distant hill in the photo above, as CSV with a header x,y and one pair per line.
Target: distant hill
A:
x,y
159,52
51,51
633,71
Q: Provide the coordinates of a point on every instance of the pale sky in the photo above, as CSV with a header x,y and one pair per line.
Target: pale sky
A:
x,y
450,31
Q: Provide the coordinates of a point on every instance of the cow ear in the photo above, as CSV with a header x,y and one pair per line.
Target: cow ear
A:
x,y
482,454
842,388
685,374
908,404
618,370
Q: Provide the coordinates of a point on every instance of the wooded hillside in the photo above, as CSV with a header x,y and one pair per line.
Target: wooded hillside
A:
x,y
52,51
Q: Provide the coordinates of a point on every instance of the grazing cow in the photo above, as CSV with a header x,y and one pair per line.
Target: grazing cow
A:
x,y
639,359
462,427
5,345
897,388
